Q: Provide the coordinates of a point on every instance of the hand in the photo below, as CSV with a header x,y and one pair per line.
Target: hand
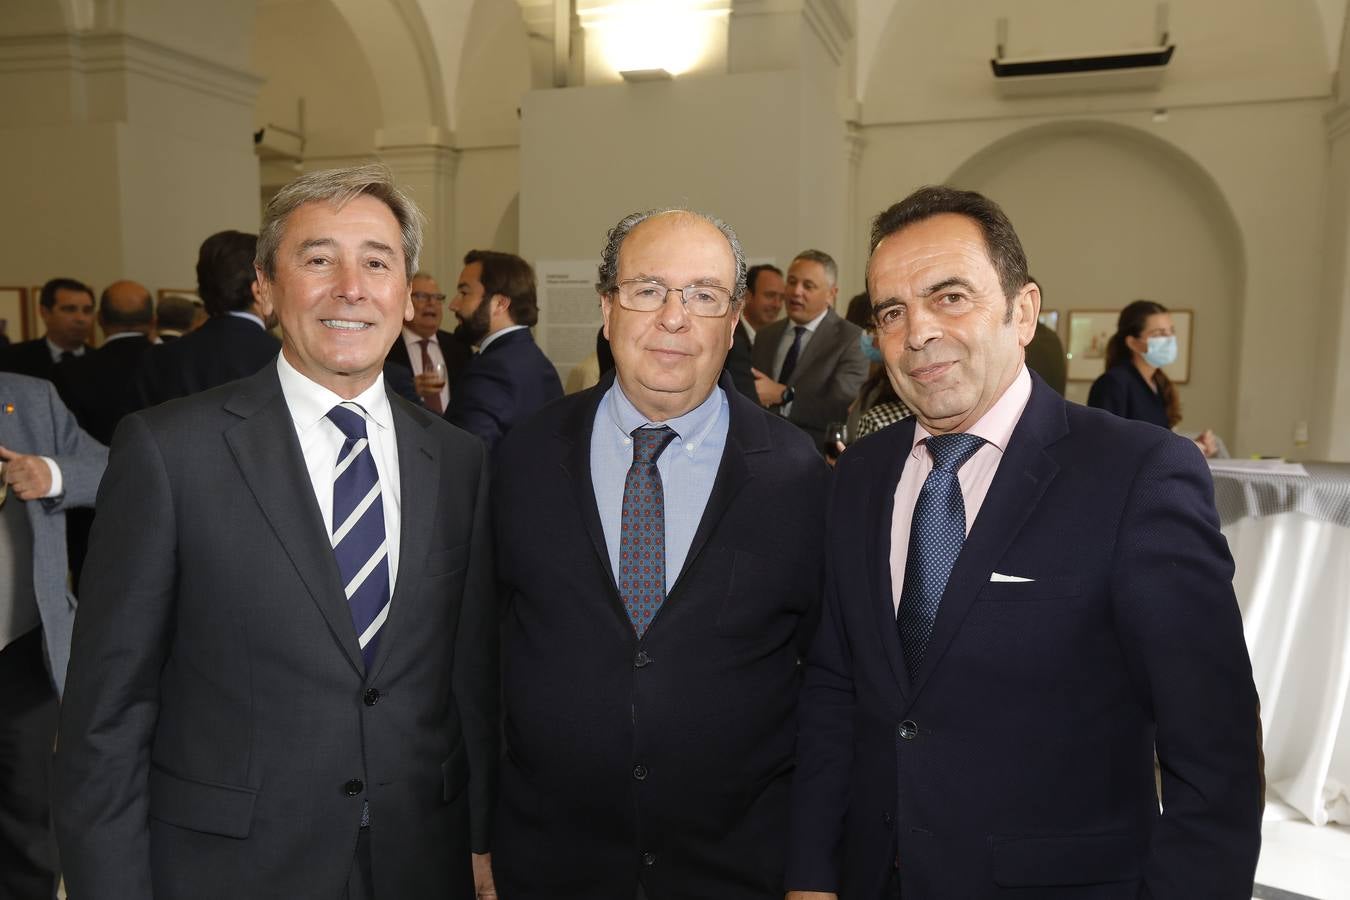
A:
x,y
428,384
483,885
811,895
770,392
28,476
1208,443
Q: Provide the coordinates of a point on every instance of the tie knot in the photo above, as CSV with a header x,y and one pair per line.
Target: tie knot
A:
x,y
649,442
352,423
425,342
950,451
800,329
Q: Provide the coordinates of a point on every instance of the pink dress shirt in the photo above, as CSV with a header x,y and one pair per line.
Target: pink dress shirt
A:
x,y
996,427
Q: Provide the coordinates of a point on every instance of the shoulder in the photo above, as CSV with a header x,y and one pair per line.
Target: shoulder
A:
x,y
458,442
18,385
571,415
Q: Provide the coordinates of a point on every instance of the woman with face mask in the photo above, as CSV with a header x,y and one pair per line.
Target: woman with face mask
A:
x,y
1134,384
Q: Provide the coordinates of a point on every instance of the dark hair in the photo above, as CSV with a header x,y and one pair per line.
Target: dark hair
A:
x,y
510,276
1131,324
752,275
47,297
859,311
225,272
142,314
176,311
1000,240
608,280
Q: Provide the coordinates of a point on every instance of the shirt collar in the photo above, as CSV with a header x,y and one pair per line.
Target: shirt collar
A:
x,y
121,334
56,351
498,333
310,402
257,320
997,425
692,428
815,323
413,339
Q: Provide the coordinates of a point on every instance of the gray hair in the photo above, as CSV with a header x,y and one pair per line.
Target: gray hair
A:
x,y
609,260
826,262
338,187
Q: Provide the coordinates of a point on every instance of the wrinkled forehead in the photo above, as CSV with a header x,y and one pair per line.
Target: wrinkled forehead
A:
x,y
677,242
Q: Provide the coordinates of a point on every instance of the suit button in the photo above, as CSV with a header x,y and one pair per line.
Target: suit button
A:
x,y
354,787
640,772
887,819
370,697
641,660
908,731
649,859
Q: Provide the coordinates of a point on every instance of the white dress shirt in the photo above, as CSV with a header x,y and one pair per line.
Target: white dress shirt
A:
x,y
413,340
321,441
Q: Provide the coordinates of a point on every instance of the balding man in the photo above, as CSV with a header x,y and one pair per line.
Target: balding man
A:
x,y
100,384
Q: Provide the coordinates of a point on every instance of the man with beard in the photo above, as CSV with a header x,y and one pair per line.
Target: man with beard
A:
x,y
434,357
510,378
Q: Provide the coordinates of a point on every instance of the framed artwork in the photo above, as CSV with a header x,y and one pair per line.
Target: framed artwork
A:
x,y
14,313
1090,329
36,328
1050,319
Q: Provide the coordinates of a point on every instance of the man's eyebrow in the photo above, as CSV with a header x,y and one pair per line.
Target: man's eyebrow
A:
x,y
884,304
313,243
378,246
945,284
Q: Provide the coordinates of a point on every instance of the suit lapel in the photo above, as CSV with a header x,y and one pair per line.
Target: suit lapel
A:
x,y
575,435
1024,473
894,452
271,465
820,342
419,486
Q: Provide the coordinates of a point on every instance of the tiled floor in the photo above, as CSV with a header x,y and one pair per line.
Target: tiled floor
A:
x,y
1301,860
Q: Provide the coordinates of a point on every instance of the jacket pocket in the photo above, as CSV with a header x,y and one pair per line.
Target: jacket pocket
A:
x,y
1065,860
1052,588
454,774
201,806
447,562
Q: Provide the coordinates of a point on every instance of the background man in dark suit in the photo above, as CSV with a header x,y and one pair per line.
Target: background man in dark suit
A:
x,y
100,383
1027,598
176,315
423,346
763,298
659,540
50,466
810,366
232,343
510,377
67,310
285,658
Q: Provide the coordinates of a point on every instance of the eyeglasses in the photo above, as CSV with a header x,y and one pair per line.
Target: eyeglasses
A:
x,y
641,295
424,297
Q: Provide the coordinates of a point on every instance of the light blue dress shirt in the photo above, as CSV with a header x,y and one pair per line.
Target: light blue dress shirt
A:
x,y
688,468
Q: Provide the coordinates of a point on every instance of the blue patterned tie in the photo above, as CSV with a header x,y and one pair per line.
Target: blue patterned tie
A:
x,y
642,534
936,534
358,531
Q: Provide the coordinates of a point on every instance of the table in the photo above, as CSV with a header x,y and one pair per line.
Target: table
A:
x,y
1290,539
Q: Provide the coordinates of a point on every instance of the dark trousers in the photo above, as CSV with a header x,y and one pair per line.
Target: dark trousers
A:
x,y
28,713
360,884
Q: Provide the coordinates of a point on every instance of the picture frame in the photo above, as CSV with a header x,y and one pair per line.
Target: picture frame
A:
x,y
1091,329
14,313
190,293
34,327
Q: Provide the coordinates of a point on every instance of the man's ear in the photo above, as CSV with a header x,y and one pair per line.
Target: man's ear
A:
x,y
262,294
605,305
1026,311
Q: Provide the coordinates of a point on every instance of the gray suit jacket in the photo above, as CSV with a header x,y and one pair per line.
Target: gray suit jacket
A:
x,y
40,424
829,373
220,732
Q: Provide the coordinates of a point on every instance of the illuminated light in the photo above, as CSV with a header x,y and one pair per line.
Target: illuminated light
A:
x,y
642,38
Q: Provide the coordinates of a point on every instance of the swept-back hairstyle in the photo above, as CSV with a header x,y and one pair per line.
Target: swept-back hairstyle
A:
x,y
510,276
609,260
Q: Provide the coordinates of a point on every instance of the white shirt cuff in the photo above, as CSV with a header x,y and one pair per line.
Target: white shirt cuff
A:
x,y
58,483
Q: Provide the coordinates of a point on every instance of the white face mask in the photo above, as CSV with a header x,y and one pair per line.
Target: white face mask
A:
x,y
1162,351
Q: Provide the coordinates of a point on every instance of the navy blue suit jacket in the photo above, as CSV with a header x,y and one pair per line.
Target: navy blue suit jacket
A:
x,y
1019,762
502,386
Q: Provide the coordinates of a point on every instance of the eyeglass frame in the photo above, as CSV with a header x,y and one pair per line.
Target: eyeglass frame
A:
x,y
618,292
424,296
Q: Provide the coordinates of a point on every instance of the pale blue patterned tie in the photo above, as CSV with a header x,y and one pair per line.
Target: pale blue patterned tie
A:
x,y
936,534
359,541
642,533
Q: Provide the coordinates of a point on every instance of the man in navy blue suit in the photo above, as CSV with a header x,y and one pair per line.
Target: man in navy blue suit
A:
x,y
510,377
1027,599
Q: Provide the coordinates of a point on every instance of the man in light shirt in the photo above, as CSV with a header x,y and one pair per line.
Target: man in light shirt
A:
x,y
435,357
284,678
1027,598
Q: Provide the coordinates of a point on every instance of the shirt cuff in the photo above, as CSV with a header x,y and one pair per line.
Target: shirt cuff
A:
x,y
58,483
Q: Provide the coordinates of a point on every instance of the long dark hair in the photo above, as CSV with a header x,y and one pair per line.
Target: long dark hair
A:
x,y
1131,325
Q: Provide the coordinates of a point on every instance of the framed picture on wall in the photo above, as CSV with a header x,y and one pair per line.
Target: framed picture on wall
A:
x,y
1089,330
33,323
14,313
1050,319
190,293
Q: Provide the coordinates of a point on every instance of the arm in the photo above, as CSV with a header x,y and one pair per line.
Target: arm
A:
x,y
1181,633
478,404
820,786
476,674
817,409
80,458
1109,394
122,637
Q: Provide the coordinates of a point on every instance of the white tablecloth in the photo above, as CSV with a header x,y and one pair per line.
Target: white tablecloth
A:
x,y
1293,585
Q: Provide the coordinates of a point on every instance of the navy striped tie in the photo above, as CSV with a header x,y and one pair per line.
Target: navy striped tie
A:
x,y
359,541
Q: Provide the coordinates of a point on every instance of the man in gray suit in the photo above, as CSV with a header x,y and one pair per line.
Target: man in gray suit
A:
x,y
284,678
810,366
50,465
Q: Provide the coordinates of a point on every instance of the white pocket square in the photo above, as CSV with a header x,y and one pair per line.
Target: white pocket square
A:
x,y
1008,578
